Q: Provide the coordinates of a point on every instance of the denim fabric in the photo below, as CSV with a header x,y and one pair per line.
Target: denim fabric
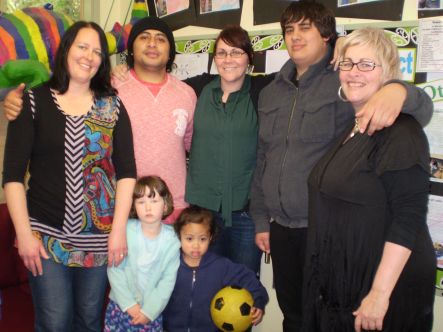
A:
x,y
68,298
237,242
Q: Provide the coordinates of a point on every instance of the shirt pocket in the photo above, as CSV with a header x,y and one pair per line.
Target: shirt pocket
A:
x,y
317,123
267,122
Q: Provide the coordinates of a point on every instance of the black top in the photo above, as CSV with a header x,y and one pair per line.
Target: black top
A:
x,y
258,82
363,193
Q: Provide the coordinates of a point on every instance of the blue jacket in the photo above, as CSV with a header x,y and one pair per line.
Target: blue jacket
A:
x,y
147,275
188,307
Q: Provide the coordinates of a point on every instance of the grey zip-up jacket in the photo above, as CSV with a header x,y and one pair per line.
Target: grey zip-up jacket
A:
x,y
297,125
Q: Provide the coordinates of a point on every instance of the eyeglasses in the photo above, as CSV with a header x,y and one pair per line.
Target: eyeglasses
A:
x,y
362,65
222,54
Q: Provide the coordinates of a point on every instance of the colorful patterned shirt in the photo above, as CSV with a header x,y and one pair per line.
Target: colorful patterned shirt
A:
x,y
74,163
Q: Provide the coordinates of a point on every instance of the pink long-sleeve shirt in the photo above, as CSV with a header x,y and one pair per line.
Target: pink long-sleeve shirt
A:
x,y
162,129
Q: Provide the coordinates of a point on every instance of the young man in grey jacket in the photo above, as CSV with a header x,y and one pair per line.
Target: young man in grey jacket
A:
x,y
300,114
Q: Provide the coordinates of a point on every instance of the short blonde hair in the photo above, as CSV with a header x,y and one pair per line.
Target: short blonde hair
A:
x,y
383,47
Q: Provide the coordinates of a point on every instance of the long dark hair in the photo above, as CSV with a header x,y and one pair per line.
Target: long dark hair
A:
x,y
101,82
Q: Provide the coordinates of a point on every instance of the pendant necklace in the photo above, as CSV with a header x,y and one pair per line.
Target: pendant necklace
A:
x,y
355,130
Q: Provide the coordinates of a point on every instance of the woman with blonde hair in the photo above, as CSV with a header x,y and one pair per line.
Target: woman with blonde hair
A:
x,y
370,263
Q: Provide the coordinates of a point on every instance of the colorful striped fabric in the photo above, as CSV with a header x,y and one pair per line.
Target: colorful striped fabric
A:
x,y
34,33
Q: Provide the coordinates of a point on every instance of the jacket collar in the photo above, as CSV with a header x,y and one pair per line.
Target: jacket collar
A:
x,y
287,72
207,259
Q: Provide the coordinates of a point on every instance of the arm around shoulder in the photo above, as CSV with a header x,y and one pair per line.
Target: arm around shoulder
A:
x,y
417,102
197,83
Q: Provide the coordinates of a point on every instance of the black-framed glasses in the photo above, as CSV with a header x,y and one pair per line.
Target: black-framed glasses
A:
x,y
222,54
347,65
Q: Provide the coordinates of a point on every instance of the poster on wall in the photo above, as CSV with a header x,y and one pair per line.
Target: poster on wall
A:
x,y
430,44
212,6
168,7
177,13
188,65
218,13
342,3
429,8
391,10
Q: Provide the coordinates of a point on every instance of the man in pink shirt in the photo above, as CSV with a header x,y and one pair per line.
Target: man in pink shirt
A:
x,y
160,107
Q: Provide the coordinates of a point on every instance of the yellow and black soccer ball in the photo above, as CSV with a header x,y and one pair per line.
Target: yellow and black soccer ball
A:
x,y
231,308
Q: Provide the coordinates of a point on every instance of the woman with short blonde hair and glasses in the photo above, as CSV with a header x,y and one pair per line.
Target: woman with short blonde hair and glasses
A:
x,y
370,262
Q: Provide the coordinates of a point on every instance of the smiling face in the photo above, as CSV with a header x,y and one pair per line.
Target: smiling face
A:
x,y
195,239
85,56
359,86
150,210
232,70
151,51
305,44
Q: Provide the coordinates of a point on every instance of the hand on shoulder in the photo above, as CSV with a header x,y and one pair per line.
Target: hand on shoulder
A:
x,y
13,103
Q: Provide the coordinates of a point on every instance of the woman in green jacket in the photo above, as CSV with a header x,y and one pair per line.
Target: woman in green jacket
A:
x,y
224,143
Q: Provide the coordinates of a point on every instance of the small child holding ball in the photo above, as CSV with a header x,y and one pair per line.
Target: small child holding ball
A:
x,y
202,274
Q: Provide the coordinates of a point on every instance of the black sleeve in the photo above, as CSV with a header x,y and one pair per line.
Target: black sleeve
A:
x,y
401,146
19,142
123,147
407,192
257,206
417,103
199,82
